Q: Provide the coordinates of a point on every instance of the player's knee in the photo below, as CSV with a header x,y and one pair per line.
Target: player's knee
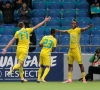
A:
x,y
21,63
42,66
47,66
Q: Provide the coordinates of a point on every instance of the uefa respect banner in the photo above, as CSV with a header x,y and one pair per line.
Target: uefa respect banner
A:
x,y
31,66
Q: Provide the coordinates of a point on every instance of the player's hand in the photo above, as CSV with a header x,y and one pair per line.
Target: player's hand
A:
x,y
47,19
91,25
4,51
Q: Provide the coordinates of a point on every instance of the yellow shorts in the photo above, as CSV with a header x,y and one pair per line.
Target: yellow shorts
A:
x,y
45,60
21,54
74,54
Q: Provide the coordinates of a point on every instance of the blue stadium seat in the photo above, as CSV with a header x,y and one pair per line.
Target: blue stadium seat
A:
x,y
37,20
85,49
96,30
85,36
40,31
69,1
93,49
5,39
54,13
65,27
39,5
38,1
84,21
64,49
54,5
39,13
68,13
95,41
84,1
65,22
82,5
7,31
38,39
37,49
54,0
83,13
65,40
96,21
84,41
53,23
68,5
8,50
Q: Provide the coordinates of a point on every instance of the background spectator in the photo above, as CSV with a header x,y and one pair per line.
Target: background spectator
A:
x,y
8,12
24,14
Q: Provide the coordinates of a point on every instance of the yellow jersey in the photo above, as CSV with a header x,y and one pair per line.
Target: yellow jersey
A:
x,y
23,36
48,43
74,37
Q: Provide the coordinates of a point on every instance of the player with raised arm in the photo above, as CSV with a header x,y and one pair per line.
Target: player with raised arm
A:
x,y
74,50
48,44
23,36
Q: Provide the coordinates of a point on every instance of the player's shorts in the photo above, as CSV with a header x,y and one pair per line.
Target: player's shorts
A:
x,y
45,60
21,54
74,54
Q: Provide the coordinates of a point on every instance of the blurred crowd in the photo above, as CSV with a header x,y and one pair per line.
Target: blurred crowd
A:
x,y
22,6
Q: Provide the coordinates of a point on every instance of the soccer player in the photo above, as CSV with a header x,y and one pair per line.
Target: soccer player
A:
x,y
74,50
48,44
23,36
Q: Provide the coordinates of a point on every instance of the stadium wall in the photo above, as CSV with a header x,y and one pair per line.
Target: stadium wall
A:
x,y
76,69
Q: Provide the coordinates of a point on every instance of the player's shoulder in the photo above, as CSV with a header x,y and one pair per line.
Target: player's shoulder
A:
x,y
17,32
78,28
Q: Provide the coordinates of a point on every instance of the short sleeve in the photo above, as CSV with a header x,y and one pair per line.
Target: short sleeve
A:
x,y
16,35
55,43
42,41
69,30
29,29
78,30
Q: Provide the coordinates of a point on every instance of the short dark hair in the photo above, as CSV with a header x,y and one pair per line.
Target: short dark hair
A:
x,y
75,21
20,24
53,31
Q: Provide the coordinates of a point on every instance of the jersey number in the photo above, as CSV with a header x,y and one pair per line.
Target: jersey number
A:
x,y
48,43
21,35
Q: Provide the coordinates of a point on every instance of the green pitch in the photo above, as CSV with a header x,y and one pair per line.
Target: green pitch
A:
x,y
50,86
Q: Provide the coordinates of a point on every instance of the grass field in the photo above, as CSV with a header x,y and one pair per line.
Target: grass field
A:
x,y
50,86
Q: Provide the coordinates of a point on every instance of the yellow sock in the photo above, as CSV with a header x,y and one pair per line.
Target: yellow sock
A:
x,y
17,66
69,75
83,75
21,72
45,73
39,73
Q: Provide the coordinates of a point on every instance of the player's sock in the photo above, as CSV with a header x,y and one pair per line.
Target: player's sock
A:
x,y
70,75
39,73
45,73
83,75
21,72
17,66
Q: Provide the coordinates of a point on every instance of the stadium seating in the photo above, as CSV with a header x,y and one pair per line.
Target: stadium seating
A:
x,y
54,5
84,41
96,21
95,30
69,13
39,5
38,39
39,13
54,13
82,5
64,49
95,41
38,1
68,5
37,49
83,13
84,1
40,31
5,38
69,1
37,20
54,0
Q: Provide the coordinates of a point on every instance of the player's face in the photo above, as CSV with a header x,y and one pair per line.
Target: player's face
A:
x,y
24,5
98,54
74,24
8,5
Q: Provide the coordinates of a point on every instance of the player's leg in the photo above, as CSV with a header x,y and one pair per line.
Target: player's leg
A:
x,y
40,69
46,63
70,67
78,59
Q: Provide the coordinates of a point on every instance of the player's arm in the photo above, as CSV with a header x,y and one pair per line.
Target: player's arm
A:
x,y
86,28
9,44
62,31
53,49
43,22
